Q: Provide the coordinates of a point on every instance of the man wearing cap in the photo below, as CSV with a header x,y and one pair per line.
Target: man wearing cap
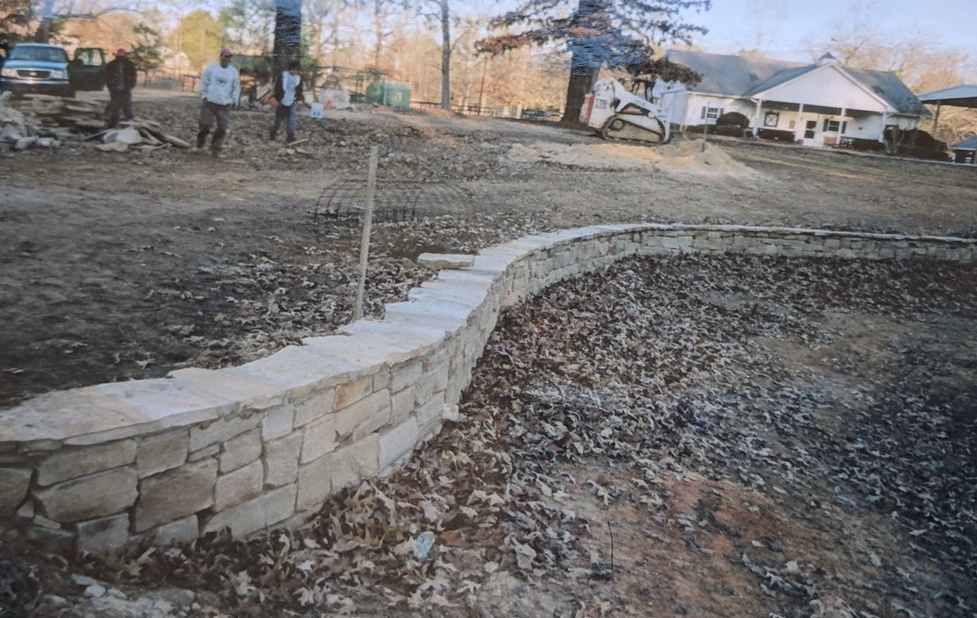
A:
x,y
120,77
220,88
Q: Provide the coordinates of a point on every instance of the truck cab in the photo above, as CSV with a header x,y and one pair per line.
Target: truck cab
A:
x,y
40,68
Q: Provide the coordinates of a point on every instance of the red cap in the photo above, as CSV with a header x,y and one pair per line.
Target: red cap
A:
x,y
226,52
120,52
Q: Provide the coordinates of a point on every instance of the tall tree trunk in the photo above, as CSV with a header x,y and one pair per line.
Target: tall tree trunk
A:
x,y
445,55
583,71
288,34
582,78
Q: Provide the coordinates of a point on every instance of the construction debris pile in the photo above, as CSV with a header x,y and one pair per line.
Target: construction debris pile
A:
x,y
48,121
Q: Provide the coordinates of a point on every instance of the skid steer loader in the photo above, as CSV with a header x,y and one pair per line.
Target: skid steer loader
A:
x,y
614,112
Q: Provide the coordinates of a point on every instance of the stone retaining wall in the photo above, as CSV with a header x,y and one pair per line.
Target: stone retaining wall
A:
x,y
263,445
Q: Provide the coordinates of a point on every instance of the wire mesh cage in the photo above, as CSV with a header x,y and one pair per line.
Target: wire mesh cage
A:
x,y
394,200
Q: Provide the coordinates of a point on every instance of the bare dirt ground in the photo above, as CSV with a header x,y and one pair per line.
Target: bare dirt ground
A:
x,y
755,438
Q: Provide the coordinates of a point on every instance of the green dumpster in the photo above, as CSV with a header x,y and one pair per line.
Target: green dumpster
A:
x,y
391,95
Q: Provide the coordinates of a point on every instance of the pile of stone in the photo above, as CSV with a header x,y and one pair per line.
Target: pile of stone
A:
x,y
61,112
19,132
144,134
47,121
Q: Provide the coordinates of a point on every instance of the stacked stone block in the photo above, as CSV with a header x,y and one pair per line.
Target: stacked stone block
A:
x,y
263,445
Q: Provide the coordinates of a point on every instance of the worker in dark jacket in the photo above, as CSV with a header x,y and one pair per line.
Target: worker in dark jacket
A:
x,y
120,77
288,93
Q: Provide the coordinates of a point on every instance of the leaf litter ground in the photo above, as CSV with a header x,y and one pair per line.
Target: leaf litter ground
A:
x,y
689,435
714,437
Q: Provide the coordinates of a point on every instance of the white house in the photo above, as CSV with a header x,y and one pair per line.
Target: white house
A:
x,y
821,103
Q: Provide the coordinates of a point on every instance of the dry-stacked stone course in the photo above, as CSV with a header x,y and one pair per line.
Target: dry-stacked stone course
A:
x,y
263,445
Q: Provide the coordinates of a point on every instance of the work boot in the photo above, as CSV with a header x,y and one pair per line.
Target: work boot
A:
x,y
271,135
219,155
289,140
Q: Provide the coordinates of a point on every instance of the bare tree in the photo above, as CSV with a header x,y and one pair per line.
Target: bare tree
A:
x,y
440,12
41,20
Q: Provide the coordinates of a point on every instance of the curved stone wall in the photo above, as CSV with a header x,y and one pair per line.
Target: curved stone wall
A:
x,y
264,444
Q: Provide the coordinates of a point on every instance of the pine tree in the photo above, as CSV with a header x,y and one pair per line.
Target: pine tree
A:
x,y
617,34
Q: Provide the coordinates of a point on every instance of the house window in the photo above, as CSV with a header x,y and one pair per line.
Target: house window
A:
x,y
832,126
809,128
710,113
771,119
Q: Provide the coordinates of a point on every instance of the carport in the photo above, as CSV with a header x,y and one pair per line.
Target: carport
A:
x,y
964,95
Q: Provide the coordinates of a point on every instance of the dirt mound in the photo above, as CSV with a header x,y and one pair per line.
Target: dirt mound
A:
x,y
704,158
683,157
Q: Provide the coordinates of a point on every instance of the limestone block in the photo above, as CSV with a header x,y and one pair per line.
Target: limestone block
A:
x,y
432,410
381,379
162,452
204,453
14,484
347,394
314,407
282,460
314,485
434,381
351,465
401,405
89,497
263,512
248,392
67,415
240,451
397,442
319,438
448,318
50,540
69,463
277,423
439,261
356,347
175,494
221,430
179,531
102,536
236,487
399,342
363,417
298,370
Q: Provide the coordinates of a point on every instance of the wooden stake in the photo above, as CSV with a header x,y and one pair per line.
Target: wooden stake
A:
x,y
371,189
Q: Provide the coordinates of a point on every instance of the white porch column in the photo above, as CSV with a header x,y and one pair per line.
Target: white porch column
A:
x,y
841,126
799,128
756,117
885,121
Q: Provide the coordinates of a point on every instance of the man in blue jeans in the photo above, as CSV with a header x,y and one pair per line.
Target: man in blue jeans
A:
x,y
120,78
288,93
220,88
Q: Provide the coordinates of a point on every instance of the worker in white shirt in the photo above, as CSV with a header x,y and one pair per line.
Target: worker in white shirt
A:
x,y
288,93
220,88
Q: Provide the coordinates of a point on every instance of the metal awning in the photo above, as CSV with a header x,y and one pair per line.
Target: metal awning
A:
x,y
964,95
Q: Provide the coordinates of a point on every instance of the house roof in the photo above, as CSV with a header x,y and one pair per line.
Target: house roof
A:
x,y
968,144
964,95
732,76
737,76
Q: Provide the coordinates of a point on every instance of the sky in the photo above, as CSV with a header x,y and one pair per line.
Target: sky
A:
x,y
782,28
786,29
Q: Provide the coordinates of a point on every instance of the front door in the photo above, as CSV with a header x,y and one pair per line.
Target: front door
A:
x,y
812,133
